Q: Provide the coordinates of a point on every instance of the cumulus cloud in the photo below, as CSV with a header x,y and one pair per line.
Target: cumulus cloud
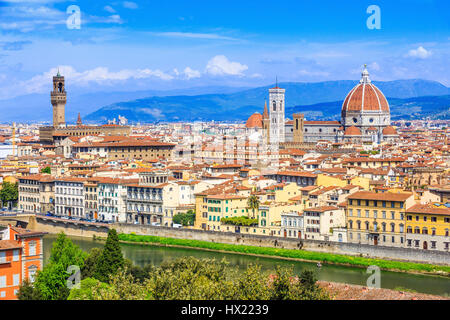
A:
x,y
41,82
193,35
220,65
109,9
420,52
129,5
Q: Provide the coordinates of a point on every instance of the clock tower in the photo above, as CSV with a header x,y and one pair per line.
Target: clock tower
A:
x,y
58,98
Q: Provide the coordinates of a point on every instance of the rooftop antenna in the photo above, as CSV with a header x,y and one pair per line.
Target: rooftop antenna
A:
x,y
276,81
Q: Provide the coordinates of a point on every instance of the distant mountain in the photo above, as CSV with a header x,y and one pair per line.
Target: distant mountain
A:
x,y
313,98
37,107
199,103
435,107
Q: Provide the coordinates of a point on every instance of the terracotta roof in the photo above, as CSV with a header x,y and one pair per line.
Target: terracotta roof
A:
x,y
385,196
255,121
429,209
365,97
352,131
321,209
389,130
9,244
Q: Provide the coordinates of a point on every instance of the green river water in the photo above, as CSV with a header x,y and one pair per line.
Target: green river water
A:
x,y
147,254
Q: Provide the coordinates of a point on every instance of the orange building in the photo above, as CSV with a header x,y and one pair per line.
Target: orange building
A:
x,y
21,256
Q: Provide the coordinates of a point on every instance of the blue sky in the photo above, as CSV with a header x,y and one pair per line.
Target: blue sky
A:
x,y
137,45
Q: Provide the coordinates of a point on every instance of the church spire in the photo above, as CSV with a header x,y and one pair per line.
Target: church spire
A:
x,y
265,114
79,123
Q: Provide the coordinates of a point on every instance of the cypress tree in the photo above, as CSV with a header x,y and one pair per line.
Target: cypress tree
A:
x,y
111,260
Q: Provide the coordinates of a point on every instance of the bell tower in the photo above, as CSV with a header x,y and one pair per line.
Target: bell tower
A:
x,y
58,98
276,115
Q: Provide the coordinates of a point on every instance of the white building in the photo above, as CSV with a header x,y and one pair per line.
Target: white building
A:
x,y
320,221
292,225
69,197
112,195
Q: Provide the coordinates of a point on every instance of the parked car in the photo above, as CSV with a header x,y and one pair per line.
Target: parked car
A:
x,y
176,225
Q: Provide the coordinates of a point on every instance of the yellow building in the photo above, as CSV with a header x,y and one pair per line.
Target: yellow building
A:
x,y
428,227
212,207
377,218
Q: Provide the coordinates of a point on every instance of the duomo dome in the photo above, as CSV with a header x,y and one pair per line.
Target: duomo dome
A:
x,y
365,106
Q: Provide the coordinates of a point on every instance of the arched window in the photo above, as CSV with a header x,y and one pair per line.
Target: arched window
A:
x,y
274,104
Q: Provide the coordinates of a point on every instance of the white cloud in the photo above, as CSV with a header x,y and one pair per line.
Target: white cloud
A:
x,y
374,66
40,83
191,74
209,36
304,72
220,65
420,52
109,9
130,5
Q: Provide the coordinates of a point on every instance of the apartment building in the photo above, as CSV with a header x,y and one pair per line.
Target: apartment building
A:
x,y
69,197
21,256
112,196
91,199
29,197
378,218
319,222
428,227
144,201
292,225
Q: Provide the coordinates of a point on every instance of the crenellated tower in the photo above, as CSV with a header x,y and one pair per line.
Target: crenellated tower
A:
x,y
58,98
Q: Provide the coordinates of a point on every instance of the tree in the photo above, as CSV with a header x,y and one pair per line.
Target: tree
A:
x,y
46,170
252,285
185,219
87,290
28,292
253,203
9,193
51,281
111,259
90,264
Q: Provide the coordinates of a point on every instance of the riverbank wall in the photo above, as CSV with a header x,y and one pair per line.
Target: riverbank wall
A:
x,y
73,228
368,251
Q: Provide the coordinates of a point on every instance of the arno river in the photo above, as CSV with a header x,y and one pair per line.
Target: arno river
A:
x,y
142,255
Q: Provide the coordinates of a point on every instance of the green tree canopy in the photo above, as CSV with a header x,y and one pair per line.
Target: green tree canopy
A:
x,y
185,219
51,281
9,192
46,170
111,259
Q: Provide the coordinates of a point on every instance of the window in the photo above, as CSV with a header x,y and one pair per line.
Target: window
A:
x,y
16,255
32,272
2,256
16,279
3,282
